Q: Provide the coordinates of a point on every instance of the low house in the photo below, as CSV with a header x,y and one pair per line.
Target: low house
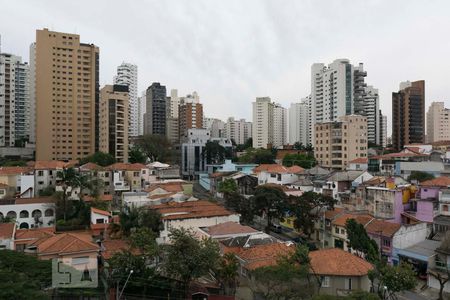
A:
x,y
277,174
340,272
16,180
385,164
29,212
7,233
405,168
420,255
99,216
127,177
227,230
191,214
25,237
360,164
100,173
339,232
440,266
46,173
343,182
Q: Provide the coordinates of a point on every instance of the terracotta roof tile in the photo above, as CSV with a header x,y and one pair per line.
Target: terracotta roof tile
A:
x,y
53,164
100,198
228,228
100,211
90,166
276,168
172,187
34,233
65,243
386,229
126,167
337,262
330,214
190,209
112,247
397,155
35,200
3,186
7,230
359,160
14,170
442,181
361,219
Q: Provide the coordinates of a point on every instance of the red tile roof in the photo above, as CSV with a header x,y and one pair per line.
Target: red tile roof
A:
x,y
35,200
330,214
228,228
100,211
361,219
14,170
100,198
112,247
3,186
171,187
262,255
34,233
65,243
7,230
397,155
442,181
90,166
382,227
359,160
126,167
276,168
337,262
53,164
190,209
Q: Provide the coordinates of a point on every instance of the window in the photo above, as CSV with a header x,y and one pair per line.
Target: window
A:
x,y
2,192
349,284
342,231
273,175
386,243
136,174
325,281
80,260
99,221
336,230
40,173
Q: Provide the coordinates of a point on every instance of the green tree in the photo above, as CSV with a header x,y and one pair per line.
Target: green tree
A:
x,y
395,279
100,158
271,201
227,273
229,189
420,176
303,160
214,153
136,217
299,146
242,147
67,178
135,155
188,258
307,209
257,156
155,147
47,191
23,276
359,241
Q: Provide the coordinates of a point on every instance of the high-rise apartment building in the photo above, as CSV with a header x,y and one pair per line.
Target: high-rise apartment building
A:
x,y
438,126
67,96
114,122
155,115
127,74
238,130
142,105
280,134
341,141
299,122
32,94
215,126
383,130
262,132
339,89
14,99
172,130
190,113
408,114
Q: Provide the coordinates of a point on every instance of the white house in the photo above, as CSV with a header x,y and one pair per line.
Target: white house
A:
x,y
192,215
7,233
29,212
358,164
277,174
99,216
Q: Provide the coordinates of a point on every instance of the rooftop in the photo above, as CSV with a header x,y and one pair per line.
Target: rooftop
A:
x,y
90,166
276,168
386,229
14,170
228,228
100,211
345,175
65,243
126,167
359,160
190,209
363,219
7,230
337,262
442,181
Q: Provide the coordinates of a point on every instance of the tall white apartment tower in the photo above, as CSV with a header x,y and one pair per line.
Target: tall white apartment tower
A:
x,y
142,107
438,126
299,122
279,126
370,109
127,74
238,130
262,131
32,91
383,130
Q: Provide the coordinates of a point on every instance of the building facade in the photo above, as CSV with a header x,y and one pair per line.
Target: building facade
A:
x,y
262,131
238,130
127,74
67,96
155,115
438,126
114,122
408,114
190,114
32,94
141,113
280,135
299,123
383,130
215,126
338,143
172,130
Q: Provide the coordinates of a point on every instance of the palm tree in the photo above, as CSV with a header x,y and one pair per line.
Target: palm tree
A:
x,y
227,273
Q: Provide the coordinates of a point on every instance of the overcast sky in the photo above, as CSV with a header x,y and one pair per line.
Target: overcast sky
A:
x,y
233,51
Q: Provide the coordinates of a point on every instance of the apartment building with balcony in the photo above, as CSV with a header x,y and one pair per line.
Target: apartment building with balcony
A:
x,y
438,123
338,143
114,121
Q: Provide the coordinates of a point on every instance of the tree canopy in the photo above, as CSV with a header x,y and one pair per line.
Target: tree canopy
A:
x,y
305,161
137,217
360,241
270,200
214,153
100,158
257,156
155,147
420,176
135,155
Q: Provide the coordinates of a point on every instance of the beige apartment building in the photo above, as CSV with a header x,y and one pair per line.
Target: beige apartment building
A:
x,y
438,126
114,121
190,114
339,142
67,96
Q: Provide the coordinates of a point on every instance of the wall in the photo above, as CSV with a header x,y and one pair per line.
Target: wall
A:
x,y
339,284
4,209
96,216
425,211
407,236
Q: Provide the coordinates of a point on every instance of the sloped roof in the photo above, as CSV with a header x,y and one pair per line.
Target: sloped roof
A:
x,y
111,247
170,187
65,243
359,160
276,168
53,164
100,198
349,175
34,233
190,209
35,200
337,262
330,214
7,230
361,219
126,167
387,229
90,166
100,211
228,228
263,255
317,170
14,170
442,181
398,155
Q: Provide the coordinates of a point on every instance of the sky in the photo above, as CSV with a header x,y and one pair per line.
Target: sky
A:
x,y
232,51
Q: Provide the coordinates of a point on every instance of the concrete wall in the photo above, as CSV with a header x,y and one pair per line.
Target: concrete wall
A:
x,y
407,236
340,284
42,207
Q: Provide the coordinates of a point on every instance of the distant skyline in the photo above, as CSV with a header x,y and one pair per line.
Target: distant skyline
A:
x,y
231,52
